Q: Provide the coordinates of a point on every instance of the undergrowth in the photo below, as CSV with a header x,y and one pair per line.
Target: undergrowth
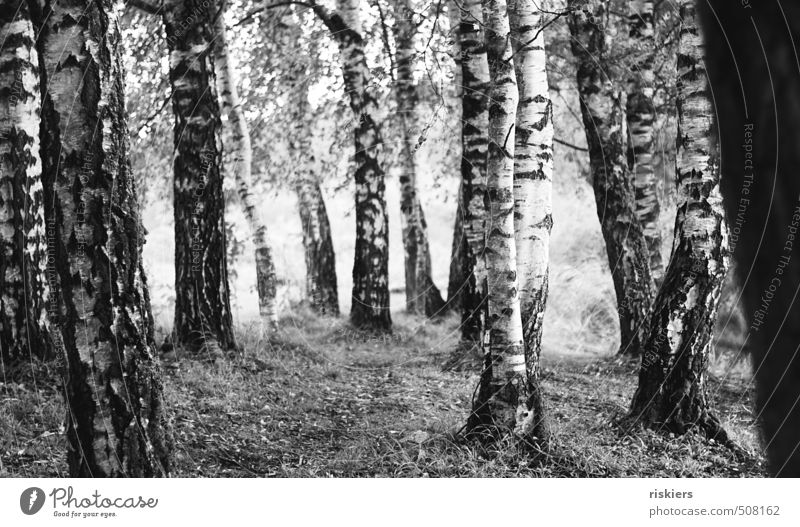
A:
x,y
319,399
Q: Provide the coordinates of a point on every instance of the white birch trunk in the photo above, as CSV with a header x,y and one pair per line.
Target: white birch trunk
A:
x,y
24,291
533,187
501,404
243,175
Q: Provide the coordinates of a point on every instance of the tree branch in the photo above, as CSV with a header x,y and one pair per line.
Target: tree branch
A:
x,y
153,7
385,36
570,145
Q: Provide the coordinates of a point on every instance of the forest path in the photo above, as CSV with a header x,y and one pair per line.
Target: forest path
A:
x,y
321,399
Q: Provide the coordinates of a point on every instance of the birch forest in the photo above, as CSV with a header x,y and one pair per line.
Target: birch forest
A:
x,y
399,238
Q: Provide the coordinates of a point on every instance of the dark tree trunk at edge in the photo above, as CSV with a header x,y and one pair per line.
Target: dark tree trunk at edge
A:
x,y
752,68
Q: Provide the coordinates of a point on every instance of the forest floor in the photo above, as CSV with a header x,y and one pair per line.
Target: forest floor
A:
x,y
329,401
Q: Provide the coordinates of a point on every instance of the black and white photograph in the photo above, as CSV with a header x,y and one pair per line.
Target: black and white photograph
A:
x,y
308,243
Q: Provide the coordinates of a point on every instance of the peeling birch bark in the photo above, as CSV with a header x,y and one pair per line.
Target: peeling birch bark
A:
x,y
500,406
533,189
117,424
673,378
24,291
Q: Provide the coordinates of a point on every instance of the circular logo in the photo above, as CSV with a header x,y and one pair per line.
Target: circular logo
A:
x,y
31,500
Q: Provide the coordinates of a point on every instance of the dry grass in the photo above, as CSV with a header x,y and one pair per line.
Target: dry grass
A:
x,y
320,399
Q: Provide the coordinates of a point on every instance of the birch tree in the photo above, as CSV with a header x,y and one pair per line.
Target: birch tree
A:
x,y
116,423
422,295
370,298
203,318
602,108
641,115
500,405
322,291
672,381
242,157
457,277
24,290
321,288
474,140
533,188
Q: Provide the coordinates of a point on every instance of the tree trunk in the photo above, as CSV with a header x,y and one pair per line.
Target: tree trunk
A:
x,y
474,140
116,422
500,407
533,189
266,281
203,319
641,114
604,122
23,251
457,276
454,18
322,293
370,308
752,67
321,287
672,380
422,295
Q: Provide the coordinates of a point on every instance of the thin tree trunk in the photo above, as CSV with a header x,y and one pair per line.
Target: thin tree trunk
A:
x,y
533,188
370,308
641,114
474,139
604,122
322,293
672,380
321,287
266,281
500,406
457,276
23,252
116,422
203,319
454,18
422,295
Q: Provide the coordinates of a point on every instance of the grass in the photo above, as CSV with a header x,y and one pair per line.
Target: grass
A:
x,y
321,400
